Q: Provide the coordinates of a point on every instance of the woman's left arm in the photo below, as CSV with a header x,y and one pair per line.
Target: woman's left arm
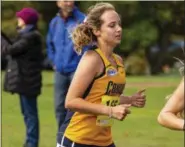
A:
x,y
168,115
137,99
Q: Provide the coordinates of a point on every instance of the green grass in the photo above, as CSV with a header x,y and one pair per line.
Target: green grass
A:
x,y
139,129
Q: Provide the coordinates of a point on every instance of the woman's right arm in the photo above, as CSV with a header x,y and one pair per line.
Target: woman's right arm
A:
x,y
89,66
168,115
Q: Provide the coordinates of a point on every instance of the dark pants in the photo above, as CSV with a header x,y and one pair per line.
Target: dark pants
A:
x,y
65,142
30,113
62,83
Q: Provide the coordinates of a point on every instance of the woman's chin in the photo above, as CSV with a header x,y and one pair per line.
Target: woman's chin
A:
x,y
117,42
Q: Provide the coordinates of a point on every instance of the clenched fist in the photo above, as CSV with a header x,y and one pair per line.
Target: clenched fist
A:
x,y
120,112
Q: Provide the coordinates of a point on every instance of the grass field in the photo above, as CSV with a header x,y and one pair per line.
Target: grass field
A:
x,y
140,129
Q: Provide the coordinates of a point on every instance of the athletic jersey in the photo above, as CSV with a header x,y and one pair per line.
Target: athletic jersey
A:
x,y
105,89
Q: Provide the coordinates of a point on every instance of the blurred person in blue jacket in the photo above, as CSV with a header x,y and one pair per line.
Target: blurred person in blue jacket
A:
x,y
60,50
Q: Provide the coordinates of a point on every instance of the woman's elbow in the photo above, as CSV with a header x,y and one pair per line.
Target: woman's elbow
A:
x,y
161,119
70,104
67,104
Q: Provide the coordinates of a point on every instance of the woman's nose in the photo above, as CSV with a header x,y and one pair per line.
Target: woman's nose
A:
x,y
119,29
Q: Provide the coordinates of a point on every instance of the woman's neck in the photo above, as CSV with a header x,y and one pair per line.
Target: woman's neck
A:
x,y
106,49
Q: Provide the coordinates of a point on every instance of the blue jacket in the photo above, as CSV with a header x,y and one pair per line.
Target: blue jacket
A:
x,y
60,48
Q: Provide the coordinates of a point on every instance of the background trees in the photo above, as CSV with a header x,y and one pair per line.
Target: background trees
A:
x,y
149,27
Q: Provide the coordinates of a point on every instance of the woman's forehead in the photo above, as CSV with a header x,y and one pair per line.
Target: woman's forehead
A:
x,y
110,15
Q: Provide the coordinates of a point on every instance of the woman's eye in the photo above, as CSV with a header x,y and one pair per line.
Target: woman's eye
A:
x,y
112,25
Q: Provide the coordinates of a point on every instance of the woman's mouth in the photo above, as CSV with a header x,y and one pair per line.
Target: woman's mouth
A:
x,y
118,37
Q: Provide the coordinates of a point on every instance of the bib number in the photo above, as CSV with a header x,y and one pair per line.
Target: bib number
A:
x,y
112,101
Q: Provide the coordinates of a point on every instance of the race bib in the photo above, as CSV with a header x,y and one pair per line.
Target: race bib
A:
x,y
112,101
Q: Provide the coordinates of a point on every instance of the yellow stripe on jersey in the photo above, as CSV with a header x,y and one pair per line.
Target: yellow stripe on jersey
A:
x,y
83,128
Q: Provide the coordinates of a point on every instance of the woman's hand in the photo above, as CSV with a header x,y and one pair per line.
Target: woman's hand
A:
x,y
138,99
120,112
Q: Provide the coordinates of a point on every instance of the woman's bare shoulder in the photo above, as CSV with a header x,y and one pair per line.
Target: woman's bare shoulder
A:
x,y
91,56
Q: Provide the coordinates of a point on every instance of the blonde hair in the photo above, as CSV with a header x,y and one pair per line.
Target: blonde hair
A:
x,y
83,34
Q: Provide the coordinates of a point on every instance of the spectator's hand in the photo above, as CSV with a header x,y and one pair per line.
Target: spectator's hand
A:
x,y
120,112
138,99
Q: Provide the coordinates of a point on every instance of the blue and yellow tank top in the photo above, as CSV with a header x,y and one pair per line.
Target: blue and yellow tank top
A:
x,y
91,129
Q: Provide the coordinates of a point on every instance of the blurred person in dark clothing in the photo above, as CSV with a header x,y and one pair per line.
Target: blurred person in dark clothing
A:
x,y
23,72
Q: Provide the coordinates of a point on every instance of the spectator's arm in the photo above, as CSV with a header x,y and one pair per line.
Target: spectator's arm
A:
x,y
5,38
50,45
16,48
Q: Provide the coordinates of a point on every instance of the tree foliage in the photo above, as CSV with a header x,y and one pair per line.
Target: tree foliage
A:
x,y
144,23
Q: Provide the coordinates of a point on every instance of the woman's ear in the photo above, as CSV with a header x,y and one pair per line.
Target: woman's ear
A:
x,y
96,32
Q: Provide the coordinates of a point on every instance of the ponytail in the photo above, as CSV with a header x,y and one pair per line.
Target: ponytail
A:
x,y
82,36
83,33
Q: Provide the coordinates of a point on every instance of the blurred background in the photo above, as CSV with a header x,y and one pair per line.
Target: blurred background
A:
x,y
153,31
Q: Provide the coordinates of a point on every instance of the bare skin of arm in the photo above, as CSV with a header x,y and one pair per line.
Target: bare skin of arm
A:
x,y
137,100
89,67
168,115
